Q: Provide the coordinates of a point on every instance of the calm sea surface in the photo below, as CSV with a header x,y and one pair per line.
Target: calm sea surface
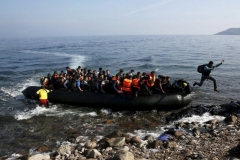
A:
x,y
26,126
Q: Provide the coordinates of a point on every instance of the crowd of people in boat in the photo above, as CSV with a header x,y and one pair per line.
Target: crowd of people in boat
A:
x,y
82,79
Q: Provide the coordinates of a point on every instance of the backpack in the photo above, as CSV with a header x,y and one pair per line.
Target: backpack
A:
x,y
200,68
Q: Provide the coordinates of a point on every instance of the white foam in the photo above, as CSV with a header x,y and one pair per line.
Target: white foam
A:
x,y
106,111
117,114
65,143
60,113
93,114
79,113
195,118
143,133
16,91
27,114
14,156
200,119
85,138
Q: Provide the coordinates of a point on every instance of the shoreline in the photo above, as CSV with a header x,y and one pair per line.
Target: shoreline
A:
x,y
199,142
214,139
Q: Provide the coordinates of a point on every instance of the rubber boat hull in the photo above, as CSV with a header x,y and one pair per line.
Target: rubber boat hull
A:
x,y
170,101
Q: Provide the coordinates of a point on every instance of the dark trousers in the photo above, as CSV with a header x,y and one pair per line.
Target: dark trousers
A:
x,y
203,78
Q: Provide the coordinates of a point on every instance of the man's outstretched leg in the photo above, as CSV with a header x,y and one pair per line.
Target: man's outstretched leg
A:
x,y
214,83
203,78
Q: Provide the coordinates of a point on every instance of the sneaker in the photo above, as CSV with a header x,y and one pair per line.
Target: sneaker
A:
x,y
216,90
194,84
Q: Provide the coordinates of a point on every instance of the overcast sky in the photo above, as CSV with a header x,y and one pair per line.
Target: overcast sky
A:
x,y
34,18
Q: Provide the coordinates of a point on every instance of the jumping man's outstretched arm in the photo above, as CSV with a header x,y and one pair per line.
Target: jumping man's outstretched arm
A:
x,y
220,63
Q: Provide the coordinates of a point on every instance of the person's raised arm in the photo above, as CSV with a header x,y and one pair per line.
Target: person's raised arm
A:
x,y
220,63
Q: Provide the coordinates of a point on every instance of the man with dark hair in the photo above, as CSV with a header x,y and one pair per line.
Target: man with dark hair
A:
x,y
206,74
100,71
131,72
121,75
115,85
43,96
70,71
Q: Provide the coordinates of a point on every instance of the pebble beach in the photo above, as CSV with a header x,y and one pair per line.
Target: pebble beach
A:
x,y
215,139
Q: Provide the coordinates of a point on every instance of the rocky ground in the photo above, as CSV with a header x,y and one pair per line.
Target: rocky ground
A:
x,y
211,140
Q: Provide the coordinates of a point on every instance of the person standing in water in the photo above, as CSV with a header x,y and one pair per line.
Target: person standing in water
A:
x,y
43,96
206,74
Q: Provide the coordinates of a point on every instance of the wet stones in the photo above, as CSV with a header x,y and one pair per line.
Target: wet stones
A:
x,y
135,139
123,155
90,144
66,149
39,156
155,144
213,139
230,119
179,133
116,142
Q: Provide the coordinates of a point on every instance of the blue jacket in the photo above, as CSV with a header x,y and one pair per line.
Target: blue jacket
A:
x,y
207,70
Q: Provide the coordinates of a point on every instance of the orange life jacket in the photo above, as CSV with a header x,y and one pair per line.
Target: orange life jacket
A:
x,y
127,83
135,83
150,81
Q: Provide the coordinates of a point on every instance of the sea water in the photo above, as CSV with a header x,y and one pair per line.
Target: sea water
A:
x,y
26,126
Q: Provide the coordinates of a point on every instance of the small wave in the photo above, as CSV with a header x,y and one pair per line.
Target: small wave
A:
x,y
54,110
53,47
76,60
62,54
3,98
22,115
6,73
16,90
145,59
200,119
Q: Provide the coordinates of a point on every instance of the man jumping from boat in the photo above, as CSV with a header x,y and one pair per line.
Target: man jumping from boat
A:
x,y
43,96
206,74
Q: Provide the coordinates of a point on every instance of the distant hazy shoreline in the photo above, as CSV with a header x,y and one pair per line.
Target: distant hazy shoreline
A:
x,y
230,31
